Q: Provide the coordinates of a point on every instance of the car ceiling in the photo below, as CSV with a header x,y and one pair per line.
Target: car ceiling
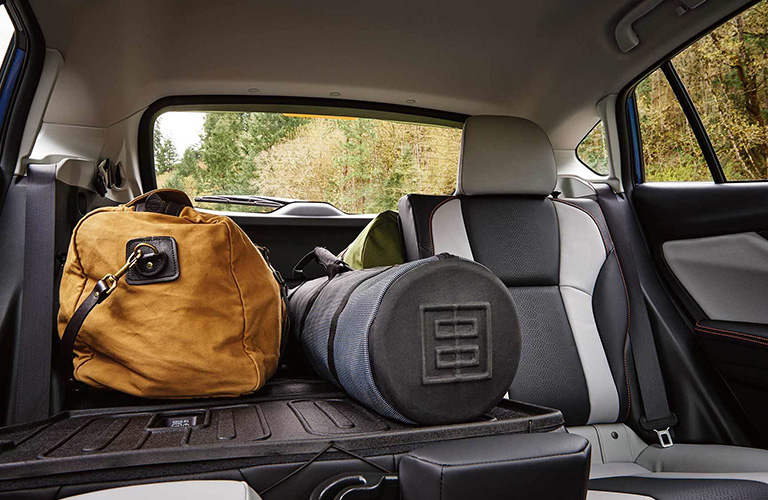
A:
x,y
547,60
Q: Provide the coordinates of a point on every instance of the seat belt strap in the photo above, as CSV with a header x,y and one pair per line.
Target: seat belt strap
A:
x,y
657,415
31,388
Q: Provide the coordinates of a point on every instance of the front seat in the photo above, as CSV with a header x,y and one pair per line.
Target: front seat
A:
x,y
558,259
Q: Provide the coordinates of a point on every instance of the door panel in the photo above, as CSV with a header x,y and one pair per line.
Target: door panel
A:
x,y
709,243
740,351
726,275
697,129
676,212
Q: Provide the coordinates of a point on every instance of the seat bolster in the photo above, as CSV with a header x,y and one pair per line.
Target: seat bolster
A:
x,y
704,458
415,212
592,208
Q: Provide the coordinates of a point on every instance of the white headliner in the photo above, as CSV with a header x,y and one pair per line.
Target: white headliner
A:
x,y
546,60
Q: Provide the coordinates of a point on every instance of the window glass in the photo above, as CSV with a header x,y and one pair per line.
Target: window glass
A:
x,y
670,150
593,150
7,30
359,165
726,75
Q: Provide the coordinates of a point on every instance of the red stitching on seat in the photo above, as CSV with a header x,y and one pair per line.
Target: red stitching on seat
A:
x,y
571,204
626,335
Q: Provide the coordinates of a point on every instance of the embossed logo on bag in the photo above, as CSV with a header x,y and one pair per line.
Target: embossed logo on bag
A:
x,y
456,343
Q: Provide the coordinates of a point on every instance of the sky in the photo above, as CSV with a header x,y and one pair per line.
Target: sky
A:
x,y
183,128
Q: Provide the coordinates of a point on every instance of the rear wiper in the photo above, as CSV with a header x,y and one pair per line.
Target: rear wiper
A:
x,y
245,199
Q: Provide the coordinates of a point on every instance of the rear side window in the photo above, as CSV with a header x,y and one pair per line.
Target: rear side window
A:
x,y
726,75
670,149
593,150
721,81
359,165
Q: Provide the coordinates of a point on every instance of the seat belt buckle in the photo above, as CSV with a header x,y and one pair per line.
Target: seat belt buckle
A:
x,y
661,427
665,438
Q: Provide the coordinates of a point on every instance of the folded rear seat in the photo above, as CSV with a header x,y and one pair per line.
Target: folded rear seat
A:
x,y
558,260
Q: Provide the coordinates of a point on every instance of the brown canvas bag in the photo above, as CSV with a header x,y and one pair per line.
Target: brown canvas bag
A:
x,y
161,301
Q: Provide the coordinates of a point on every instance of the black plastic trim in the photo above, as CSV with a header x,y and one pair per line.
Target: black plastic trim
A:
x,y
241,102
694,120
31,39
701,210
632,148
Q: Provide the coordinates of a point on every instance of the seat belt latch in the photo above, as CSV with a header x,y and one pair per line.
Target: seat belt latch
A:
x,y
665,438
661,427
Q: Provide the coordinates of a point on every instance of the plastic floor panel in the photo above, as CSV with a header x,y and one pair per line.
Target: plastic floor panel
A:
x,y
264,431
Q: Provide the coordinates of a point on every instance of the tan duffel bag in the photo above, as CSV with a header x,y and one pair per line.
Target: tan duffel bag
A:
x,y
199,311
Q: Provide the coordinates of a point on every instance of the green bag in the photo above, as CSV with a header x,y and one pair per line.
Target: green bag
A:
x,y
379,244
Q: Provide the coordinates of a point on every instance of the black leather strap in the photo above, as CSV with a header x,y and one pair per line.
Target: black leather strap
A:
x,y
330,263
168,202
97,296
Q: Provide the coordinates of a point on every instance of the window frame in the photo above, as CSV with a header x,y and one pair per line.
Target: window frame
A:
x,y
627,116
17,43
342,107
694,120
28,48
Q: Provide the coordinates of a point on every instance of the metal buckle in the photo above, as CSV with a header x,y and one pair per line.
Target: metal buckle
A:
x,y
112,279
665,438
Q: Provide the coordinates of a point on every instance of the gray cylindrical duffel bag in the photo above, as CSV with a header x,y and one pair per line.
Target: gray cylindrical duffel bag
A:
x,y
433,341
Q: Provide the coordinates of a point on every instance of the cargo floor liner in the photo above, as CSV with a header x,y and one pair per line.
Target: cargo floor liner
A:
x,y
263,430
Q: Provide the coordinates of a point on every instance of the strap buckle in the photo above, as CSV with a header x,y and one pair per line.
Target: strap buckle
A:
x,y
665,438
110,280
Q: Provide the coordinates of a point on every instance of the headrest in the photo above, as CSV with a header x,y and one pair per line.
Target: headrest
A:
x,y
505,155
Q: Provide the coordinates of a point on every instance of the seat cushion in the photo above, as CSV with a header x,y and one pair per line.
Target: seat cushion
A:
x,y
660,488
623,464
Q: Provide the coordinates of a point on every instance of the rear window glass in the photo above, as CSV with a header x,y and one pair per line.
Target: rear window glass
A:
x,y
593,150
359,165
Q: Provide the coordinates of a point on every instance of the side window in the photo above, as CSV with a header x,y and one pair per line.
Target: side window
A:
x,y
721,82
726,75
670,149
593,150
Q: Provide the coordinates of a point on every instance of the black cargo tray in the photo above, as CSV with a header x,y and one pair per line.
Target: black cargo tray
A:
x,y
263,431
